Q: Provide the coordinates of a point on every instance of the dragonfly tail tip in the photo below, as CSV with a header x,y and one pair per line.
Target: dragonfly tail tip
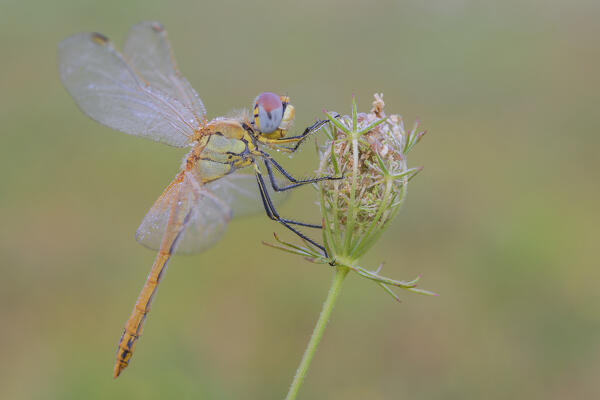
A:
x,y
117,371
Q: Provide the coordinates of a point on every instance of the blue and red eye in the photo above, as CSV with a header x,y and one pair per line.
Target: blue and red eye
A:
x,y
268,112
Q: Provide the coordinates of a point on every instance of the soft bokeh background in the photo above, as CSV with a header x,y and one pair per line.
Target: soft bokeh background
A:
x,y
503,221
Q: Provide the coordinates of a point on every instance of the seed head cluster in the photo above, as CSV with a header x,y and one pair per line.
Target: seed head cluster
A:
x,y
369,150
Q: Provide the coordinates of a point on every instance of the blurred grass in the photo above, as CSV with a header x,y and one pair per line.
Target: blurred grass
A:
x,y
503,222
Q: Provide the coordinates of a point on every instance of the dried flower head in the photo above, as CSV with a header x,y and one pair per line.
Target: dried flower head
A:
x,y
370,150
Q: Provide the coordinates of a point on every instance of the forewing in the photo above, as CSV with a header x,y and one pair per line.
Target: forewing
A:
x,y
202,217
148,51
108,90
240,191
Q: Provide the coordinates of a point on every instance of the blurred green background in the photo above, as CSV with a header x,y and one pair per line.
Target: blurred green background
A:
x,y
503,222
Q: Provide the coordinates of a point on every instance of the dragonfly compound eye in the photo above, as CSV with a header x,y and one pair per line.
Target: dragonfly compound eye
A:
x,y
268,112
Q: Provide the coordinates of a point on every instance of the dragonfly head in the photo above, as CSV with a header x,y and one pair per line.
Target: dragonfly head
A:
x,y
273,115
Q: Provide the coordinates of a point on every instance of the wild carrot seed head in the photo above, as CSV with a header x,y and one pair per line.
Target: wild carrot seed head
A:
x,y
369,150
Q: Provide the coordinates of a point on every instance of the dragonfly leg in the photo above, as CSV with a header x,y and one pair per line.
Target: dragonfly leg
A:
x,y
274,215
297,140
295,182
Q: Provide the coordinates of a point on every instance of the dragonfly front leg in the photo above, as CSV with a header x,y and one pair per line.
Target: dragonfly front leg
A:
x,y
296,140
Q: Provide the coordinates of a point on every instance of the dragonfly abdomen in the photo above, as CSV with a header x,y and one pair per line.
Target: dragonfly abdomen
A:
x,y
135,323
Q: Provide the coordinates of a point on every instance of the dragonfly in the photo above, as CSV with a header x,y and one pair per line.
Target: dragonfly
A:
x,y
141,92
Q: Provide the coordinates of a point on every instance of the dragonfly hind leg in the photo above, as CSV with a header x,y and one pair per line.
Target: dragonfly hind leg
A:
x,y
274,215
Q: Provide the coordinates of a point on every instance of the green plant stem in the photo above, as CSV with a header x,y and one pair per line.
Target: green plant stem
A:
x,y
317,334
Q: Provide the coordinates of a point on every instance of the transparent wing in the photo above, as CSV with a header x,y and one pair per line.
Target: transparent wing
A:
x,y
148,51
207,210
107,89
240,191
205,217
